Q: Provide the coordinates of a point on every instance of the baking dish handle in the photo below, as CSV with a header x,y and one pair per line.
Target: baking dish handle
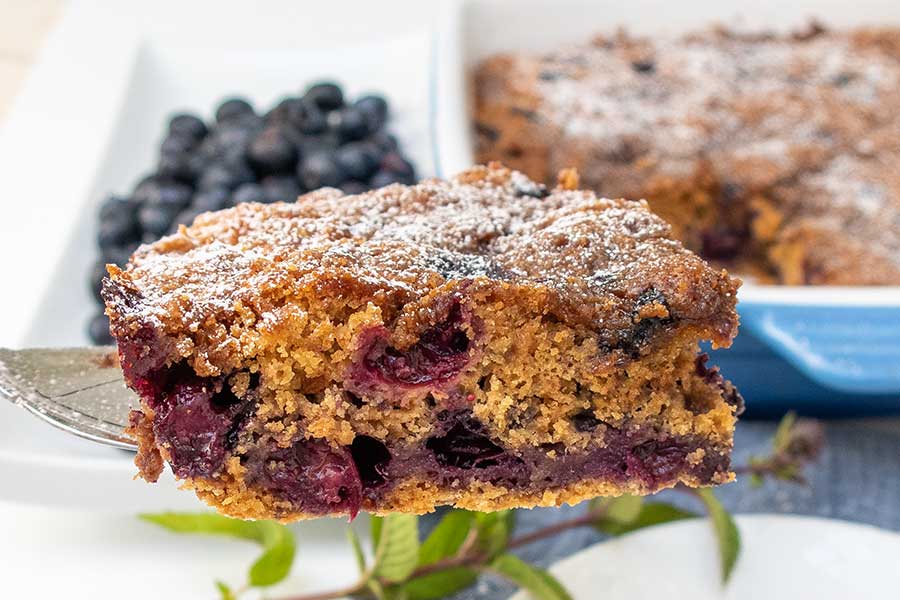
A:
x,y
851,349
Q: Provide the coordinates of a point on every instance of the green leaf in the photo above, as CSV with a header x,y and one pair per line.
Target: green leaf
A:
x,y
447,537
440,584
541,584
494,530
727,534
277,541
651,513
357,549
621,509
224,591
782,437
398,547
375,524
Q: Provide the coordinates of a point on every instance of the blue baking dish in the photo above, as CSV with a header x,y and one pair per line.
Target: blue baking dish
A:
x,y
824,351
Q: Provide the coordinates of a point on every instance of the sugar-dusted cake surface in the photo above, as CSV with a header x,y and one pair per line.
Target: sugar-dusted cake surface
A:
x,y
775,154
484,342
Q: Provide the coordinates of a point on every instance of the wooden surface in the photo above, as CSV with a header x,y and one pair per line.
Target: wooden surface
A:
x,y
23,26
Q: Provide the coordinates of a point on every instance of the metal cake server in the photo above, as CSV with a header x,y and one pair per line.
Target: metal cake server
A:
x,y
79,390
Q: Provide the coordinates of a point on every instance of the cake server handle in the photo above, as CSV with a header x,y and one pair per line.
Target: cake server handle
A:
x,y
79,390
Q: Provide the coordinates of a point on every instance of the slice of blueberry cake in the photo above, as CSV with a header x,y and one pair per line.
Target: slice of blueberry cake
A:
x,y
482,342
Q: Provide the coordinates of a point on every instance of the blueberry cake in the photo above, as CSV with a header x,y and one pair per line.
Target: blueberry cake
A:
x,y
483,342
777,156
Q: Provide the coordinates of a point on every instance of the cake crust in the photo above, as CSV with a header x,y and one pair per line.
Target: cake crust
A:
x,y
474,342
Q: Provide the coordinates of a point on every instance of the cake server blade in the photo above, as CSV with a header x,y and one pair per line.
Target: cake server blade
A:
x,y
79,390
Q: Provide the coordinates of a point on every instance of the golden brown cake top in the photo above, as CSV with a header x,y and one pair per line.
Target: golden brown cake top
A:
x,y
808,118
598,261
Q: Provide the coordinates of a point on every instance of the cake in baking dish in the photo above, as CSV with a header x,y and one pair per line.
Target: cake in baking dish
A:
x,y
775,155
483,342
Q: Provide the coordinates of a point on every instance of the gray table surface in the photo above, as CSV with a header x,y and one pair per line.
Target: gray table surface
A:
x,y
857,478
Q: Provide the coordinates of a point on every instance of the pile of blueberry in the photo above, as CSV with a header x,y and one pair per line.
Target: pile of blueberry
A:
x,y
305,142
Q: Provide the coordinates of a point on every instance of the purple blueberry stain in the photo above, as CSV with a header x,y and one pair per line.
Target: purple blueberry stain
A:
x,y
371,458
312,475
465,445
440,354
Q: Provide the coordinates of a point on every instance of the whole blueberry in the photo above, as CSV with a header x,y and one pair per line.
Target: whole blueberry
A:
x,y
352,187
178,166
229,176
176,142
119,255
314,120
375,108
163,192
319,169
185,217
157,218
98,330
210,200
326,95
117,230
98,274
396,164
290,110
187,125
385,141
118,207
357,159
249,192
352,124
383,178
233,108
271,152
280,188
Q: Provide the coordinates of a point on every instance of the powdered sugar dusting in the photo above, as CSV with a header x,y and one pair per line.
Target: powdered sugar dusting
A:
x,y
489,224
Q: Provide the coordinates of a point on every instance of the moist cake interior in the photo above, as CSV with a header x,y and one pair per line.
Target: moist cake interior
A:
x,y
482,368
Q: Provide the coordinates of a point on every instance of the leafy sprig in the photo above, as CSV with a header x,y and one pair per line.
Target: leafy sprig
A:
x,y
465,545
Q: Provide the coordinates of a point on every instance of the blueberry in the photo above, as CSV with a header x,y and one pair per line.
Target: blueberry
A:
x,y
314,120
178,166
209,200
385,141
185,217
357,159
157,218
118,230
118,207
326,95
176,143
233,108
383,178
98,274
281,188
375,108
119,255
290,110
249,192
352,124
271,152
98,330
352,187
394,163
320,169
169,194
187,125
222,175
